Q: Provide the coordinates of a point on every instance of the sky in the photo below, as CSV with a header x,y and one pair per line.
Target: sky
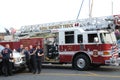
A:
x,y
17,13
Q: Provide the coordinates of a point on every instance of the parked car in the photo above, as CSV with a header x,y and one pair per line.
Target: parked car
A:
x,y
18,60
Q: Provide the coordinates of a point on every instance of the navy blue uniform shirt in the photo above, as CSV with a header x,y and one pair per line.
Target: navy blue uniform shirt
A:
x,y
39,51
31,50
6,53
26,54
20,49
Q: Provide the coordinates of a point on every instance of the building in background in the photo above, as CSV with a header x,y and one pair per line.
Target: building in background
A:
x,y
2,36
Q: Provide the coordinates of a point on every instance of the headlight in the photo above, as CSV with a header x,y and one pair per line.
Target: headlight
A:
x,y
106,53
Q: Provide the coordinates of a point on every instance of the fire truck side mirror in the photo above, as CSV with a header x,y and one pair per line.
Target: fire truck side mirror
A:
x,y
96,40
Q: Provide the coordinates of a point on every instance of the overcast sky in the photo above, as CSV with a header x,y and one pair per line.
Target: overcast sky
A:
x,y
17,13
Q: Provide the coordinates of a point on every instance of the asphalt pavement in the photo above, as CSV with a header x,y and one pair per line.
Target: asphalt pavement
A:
x,y
65,72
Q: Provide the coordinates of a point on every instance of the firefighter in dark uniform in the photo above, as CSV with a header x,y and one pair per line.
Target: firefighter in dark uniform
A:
x,y
27,57
39,53
20,49
32,59
6,56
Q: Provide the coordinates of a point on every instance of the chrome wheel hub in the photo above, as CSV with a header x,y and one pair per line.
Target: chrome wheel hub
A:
x,y
81,63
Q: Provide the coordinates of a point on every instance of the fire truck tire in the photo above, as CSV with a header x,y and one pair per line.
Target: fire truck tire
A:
x,y
81,62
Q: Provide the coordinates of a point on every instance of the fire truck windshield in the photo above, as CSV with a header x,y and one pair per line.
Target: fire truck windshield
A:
x,y
108,37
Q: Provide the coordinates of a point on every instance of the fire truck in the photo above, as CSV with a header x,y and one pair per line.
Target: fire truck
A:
x,y
82,42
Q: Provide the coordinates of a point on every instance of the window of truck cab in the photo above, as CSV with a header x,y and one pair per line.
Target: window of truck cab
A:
x,y
91,37
107,37
80,38
69,37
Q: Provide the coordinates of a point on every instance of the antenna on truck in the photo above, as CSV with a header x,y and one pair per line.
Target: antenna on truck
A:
x,y
80,9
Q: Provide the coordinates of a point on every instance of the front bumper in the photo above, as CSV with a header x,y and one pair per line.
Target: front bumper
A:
x,y
20,64
113,61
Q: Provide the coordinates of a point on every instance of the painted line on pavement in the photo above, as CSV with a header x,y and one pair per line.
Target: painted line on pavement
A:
x,y
87,75
91,73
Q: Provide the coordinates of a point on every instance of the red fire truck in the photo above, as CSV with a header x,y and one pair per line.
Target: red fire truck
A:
x,y
82,43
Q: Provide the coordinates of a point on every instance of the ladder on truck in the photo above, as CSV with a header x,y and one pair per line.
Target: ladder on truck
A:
x,y
86,24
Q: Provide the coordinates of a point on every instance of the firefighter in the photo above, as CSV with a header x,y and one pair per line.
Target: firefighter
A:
x,y
6,56
20,49
39,53
27,57
32,59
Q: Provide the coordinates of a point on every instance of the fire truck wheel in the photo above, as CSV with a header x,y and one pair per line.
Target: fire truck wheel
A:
x,y
81,62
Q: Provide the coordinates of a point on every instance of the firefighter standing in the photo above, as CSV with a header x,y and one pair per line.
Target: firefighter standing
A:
x,y
6,56
32,59
20,49
39,53
27,57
